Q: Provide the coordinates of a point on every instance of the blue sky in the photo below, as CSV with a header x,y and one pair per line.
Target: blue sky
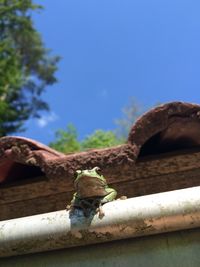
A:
x,y
112,50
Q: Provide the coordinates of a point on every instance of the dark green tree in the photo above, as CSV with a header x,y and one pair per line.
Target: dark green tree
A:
x,y
26,66
100,139
66,140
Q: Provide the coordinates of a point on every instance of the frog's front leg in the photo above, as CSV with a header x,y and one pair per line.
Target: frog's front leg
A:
x,y
73,203
100,211
112,193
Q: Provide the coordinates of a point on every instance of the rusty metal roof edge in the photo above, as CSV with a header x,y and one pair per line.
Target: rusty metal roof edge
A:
x,y
145,215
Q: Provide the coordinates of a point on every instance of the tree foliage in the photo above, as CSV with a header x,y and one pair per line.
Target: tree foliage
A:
x,y
100,139
26,66
67,140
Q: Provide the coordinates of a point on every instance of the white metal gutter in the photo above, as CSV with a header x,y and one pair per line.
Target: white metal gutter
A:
x,y
146,215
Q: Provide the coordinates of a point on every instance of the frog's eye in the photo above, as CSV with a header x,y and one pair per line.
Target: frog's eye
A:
x,y
98,170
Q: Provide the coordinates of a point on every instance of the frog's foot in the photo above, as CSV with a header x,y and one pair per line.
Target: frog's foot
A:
x,y
101,212
122,198
68,207
71,209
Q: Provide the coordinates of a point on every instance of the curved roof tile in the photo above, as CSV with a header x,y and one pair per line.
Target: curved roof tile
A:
x,y
165,128
19,154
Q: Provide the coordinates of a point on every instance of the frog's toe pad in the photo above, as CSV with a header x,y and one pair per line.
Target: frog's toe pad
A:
x,y
101,213
122,198
68,207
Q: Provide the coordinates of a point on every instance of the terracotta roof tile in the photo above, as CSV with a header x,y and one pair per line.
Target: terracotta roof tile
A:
x,y
169,127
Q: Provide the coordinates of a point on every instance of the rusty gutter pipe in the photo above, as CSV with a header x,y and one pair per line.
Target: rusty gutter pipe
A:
x,y
145,215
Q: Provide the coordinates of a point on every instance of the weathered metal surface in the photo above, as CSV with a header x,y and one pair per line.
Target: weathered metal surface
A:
x,y
146,215
175,249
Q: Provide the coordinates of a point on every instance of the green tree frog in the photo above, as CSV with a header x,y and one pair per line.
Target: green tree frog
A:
x,y
91,192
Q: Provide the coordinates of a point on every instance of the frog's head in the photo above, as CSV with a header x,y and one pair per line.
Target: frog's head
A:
x,y
95,173
90,183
